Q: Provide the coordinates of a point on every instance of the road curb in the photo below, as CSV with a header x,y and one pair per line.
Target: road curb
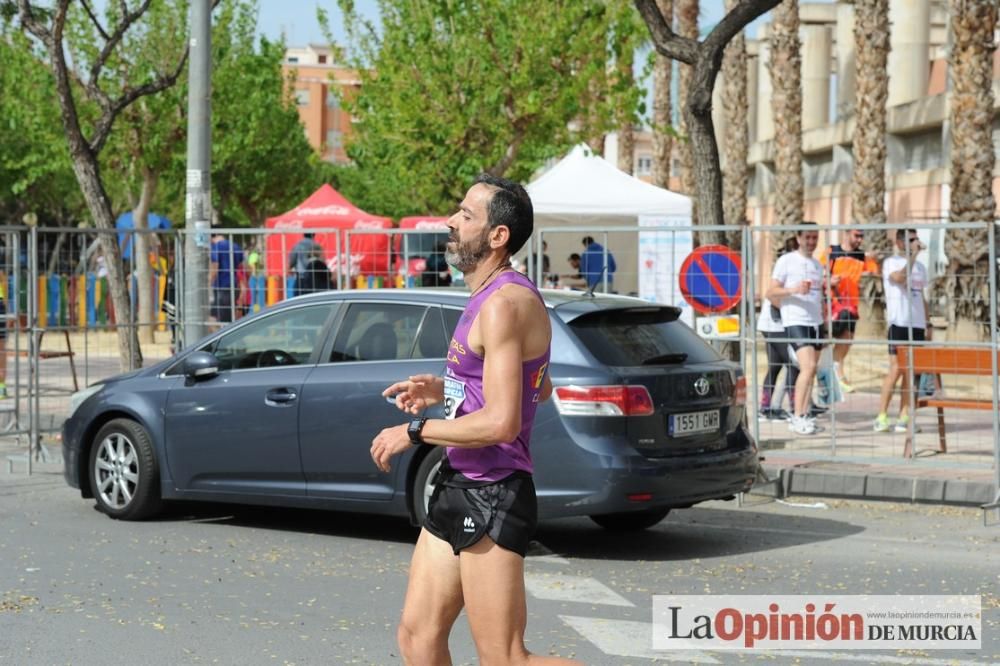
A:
x,y
845,480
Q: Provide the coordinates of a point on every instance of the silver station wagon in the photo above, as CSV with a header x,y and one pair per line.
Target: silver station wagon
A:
x,y
280,409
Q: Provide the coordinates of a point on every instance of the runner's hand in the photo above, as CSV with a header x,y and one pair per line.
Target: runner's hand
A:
x,y
416,393
388,443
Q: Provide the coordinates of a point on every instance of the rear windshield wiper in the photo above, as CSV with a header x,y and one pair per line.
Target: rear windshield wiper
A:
x,y
666,359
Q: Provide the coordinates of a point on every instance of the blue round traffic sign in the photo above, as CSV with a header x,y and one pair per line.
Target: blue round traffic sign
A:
x,y
711,279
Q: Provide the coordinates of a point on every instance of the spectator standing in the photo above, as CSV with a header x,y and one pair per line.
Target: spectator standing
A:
x,y
904,279
797,283
302,253
315,277
436,273
225,258
592,265
574,279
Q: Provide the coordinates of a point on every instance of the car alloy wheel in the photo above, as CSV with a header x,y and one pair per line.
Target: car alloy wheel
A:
x,y
116,470
123,471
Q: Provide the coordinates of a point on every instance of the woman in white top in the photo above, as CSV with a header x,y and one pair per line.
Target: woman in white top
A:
x,y
770,326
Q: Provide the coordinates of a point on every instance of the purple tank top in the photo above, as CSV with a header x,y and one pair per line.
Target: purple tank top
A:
x,y
463,390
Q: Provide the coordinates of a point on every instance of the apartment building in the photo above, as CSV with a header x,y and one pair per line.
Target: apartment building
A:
x,y
317,76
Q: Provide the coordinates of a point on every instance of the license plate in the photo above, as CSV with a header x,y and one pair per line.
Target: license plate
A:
x,y
691,423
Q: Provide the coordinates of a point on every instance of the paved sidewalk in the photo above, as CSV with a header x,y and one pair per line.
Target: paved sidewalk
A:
x,y
849,459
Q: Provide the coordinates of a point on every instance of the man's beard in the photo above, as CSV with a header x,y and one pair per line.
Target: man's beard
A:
x,y
468,254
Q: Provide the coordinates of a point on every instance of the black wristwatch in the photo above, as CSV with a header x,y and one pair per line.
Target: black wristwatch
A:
x,y
415,428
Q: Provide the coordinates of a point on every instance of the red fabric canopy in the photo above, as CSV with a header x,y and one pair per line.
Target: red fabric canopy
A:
x,y
326,208
424,222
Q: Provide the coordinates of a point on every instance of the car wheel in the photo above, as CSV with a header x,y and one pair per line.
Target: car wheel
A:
x,y
124,474
423,486
632,521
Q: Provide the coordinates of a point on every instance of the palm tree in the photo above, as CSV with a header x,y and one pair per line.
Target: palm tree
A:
x,y
786,103
735,175
687,26
871,39
662,122
973,26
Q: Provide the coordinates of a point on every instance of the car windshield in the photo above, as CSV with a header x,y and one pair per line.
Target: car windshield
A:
x,y
641,336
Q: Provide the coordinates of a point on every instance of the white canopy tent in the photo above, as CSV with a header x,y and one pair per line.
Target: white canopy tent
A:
x,y
585,190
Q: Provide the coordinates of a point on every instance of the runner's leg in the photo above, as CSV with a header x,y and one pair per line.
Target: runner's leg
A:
x,y
493,582
803,383
433,601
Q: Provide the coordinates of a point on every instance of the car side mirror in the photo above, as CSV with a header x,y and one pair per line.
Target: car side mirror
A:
x,y
199,366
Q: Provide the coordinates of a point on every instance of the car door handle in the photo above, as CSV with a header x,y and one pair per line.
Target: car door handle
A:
x,y
279,397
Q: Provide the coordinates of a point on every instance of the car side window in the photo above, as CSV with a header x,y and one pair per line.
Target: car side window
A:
x,y
283,338
432,341
378,332
451,317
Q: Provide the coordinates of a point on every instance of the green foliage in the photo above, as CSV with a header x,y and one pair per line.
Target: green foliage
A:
x,y
262,163
450,88
35,170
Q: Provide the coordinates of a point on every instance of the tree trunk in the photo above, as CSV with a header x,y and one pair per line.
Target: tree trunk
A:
x,y
87,171
626,125
54,254
626,148
973,26
594,122
662,109
871,37
687,26
786,103
871,45
141,245
736,175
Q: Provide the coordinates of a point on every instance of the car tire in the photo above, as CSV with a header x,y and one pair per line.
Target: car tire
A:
x,y
422,486
124,474
631,521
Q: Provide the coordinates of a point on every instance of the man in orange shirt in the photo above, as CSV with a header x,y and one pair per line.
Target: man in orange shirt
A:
x,y
850,262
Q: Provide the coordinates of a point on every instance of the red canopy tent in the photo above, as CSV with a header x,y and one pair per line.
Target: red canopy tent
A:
x,y
326,208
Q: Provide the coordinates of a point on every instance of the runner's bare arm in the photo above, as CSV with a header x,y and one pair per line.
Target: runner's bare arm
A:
x,y
416,393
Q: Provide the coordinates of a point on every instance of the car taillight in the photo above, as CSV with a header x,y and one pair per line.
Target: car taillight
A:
x,y
740,391
603,401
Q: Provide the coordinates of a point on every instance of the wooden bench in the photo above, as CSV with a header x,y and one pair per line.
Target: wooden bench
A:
x,y
941,361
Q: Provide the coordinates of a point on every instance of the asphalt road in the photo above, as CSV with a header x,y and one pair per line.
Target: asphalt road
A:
x,y
215,584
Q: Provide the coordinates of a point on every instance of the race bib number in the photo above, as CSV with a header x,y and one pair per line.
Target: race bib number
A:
x,y
454,396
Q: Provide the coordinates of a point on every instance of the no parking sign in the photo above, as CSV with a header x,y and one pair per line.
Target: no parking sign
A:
x,y
711,279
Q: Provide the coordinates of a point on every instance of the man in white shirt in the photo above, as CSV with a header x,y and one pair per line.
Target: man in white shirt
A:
x,y
904,279
797,283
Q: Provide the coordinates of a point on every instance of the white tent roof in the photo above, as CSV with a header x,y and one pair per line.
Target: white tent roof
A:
x,y
583,185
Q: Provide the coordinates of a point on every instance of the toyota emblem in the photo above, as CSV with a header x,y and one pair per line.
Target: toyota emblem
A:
x,y
701,386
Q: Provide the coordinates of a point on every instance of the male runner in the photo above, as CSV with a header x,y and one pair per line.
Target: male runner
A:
x,y
850,262
904,279
483,510
797,282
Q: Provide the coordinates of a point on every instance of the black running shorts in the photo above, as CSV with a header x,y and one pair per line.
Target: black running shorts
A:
x,y
803,336
845,322
902,334
506,511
